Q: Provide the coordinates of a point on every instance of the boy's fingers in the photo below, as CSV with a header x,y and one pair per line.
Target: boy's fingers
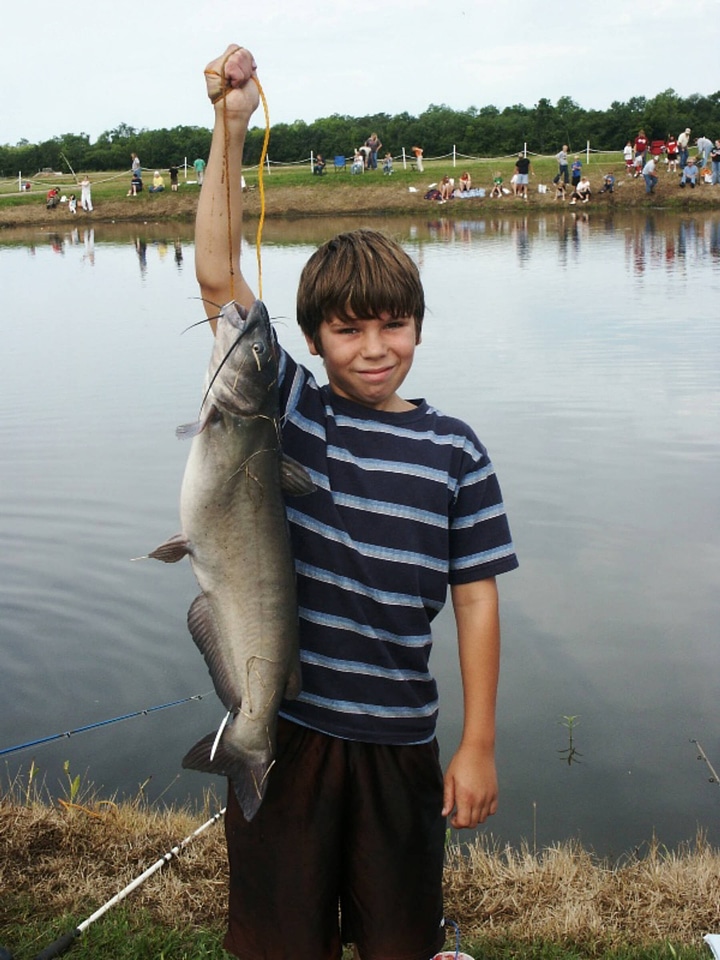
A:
x,y
233,69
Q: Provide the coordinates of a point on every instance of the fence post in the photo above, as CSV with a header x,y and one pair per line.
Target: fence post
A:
x,y
587,152
267,162
454,156
312,161
404,159
20,181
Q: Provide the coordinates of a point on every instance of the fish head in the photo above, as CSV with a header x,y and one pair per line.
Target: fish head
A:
x,y
243,372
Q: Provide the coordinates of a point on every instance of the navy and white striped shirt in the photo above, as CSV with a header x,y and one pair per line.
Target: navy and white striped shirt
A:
x,y
404,504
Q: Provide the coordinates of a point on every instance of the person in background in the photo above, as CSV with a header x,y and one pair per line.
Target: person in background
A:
x,y
715,163
52,199
418,152
465,182
628,154
348,843
319,165
690,173
641,145
523,171
671,152
135,166
72,203
136,184
704,146
447,188
86,194
388,165
683,142
563,173
576,171
374,145
496,189
173,171
650,175
581,192
358,163
199,167
158,184
608,183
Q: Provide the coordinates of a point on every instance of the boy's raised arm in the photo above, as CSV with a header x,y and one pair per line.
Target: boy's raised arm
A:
x,y
218,224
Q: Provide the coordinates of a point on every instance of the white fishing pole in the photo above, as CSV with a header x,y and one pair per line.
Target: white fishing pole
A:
x,y
63,943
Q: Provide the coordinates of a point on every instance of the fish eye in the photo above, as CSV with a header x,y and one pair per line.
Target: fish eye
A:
x,y
258,348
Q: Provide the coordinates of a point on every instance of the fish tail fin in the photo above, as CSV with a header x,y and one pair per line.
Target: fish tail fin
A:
x,y
249,775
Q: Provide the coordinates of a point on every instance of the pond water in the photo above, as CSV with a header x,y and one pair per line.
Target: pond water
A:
x,y
584,350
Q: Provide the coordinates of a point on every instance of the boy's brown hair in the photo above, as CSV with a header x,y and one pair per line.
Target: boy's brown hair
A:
x,y
357,276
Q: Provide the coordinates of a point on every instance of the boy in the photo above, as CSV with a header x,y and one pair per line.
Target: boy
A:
x,y
406,502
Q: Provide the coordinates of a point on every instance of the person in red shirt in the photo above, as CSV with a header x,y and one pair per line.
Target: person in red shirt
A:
x,y
641,145
671,149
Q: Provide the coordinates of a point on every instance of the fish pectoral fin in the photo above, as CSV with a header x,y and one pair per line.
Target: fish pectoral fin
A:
x,y
204,631
249,776
174,549
294,478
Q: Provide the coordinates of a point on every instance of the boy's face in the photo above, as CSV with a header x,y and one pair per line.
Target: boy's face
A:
x,y
367,360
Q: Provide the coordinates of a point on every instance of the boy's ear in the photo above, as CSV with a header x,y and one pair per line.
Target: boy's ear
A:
x,y
311,346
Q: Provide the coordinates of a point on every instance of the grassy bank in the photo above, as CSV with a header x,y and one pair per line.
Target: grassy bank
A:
x,y
295,192
60,861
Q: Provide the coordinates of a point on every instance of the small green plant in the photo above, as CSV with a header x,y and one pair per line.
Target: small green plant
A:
x,y
73,788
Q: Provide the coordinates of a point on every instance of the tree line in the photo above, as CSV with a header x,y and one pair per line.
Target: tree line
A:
x,y
484,132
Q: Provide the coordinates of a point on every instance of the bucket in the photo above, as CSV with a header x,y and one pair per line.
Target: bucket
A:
x,y
451,955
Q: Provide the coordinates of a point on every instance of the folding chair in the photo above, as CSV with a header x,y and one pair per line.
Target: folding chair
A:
x,y
339,163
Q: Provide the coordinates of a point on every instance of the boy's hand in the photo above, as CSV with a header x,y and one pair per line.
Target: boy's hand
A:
x,y
471,788
230,75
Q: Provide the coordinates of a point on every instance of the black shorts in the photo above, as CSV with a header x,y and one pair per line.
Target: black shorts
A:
x,y
347,847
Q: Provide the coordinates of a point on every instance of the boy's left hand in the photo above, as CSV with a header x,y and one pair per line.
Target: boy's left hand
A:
x,y
471,788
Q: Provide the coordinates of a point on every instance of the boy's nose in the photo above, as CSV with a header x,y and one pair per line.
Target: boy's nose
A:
x,y
373,343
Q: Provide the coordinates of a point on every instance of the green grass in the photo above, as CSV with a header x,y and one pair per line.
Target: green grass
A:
x,y
127,933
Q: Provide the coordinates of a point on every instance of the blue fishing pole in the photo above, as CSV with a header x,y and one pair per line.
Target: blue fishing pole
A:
x,y
99,723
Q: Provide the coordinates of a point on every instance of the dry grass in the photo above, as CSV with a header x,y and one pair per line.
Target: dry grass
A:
x,y
565,894
70,858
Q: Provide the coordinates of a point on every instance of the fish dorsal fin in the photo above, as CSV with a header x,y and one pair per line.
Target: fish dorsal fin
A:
x,y
294,478
204,631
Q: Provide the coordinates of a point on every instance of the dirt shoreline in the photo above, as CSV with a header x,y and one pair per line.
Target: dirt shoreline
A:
x,y
292,203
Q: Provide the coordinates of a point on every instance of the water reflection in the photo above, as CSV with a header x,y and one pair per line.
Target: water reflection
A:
x,y
585,351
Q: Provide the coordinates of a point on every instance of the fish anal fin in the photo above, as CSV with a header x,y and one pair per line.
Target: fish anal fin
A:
x,y
174,549
294,478
206,635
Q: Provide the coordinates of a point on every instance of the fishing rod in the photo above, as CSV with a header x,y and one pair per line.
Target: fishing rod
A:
x,y
60,946
68,163
99,723
703,756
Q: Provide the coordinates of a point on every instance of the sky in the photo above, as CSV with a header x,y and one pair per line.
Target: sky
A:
x,y
91,66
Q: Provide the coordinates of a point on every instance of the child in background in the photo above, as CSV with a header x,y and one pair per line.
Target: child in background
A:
x,y
496,190
576,171
348,843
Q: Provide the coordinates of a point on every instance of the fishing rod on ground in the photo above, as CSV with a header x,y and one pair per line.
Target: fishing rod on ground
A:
x,y
60,946
99,723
